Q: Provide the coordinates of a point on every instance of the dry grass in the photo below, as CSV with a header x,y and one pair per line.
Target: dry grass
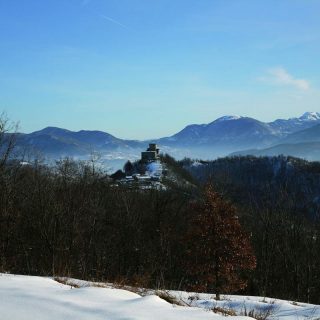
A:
x,y
224,311
165,295
260,314
66,281
73,283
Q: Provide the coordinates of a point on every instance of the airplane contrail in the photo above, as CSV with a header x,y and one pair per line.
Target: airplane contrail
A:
x,y
114,21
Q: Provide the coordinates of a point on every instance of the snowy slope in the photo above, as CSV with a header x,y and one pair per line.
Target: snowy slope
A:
x,y
155,169
38,298
272,309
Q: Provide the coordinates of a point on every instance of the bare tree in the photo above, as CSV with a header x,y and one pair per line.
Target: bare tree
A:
x,y
8,137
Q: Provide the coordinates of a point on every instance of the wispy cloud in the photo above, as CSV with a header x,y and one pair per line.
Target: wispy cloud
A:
x,y
113,21
280,76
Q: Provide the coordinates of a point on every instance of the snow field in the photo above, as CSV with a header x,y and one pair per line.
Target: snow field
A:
x,y
39,298
33,298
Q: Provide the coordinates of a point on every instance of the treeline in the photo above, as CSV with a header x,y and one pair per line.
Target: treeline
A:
x,y
71,220
251,178
278,200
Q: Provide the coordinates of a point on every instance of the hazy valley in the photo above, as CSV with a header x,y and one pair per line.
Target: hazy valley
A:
x,y
299,137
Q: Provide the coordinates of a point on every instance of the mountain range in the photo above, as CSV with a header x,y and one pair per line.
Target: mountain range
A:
x,y
224,136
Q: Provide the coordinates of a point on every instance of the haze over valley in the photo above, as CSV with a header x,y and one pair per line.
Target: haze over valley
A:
x,y
228,135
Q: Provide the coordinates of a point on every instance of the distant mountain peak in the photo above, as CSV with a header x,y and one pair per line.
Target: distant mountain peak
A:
x,y
51,130
228,118
310,116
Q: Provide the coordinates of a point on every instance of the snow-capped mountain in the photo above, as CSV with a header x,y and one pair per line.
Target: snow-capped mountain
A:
x,y
237,133
227,118
310,116
218,138
226,132
286,126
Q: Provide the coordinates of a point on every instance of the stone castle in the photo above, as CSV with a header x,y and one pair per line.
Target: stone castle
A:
x,y
151,154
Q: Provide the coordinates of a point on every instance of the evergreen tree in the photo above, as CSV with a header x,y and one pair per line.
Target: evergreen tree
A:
x,y
128,168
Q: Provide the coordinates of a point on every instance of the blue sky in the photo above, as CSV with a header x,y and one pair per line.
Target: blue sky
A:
x,y
146,68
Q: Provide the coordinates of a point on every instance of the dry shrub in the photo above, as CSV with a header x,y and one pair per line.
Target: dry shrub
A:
x,y
165,295
260,314
224,311
66,281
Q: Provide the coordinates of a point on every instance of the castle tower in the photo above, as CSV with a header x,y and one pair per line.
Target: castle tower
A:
x,y
152,153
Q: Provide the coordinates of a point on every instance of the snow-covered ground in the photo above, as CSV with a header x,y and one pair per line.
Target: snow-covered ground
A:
x,y
154,169
259,307
38,298
33,298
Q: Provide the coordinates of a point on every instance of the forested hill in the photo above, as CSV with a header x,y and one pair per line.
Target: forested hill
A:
x,y
279,204
263,181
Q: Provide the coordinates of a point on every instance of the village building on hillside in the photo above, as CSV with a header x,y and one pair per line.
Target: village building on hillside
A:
x,y
152,173
152,153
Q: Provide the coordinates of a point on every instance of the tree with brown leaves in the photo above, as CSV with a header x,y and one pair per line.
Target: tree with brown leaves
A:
x,y
218,248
